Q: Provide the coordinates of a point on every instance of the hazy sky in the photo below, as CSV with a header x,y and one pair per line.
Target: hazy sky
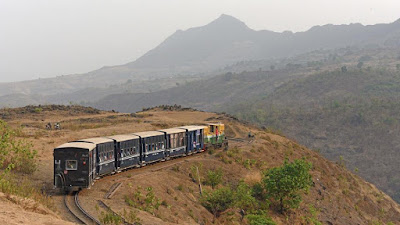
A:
x,y
48,38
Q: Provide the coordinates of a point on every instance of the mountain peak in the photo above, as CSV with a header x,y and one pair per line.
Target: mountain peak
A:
x,y
227,21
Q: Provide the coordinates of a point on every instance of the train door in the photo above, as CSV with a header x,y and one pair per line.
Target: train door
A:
x,y
143,150
97,159
190,144
117,155
201,139
167,146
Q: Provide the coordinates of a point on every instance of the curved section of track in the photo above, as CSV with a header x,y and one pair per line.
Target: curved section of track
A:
x,y
71,202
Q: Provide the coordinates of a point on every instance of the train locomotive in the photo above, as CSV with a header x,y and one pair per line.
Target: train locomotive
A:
x,y
78,164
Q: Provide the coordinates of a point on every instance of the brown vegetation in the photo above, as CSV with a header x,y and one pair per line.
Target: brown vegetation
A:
x,y
336,196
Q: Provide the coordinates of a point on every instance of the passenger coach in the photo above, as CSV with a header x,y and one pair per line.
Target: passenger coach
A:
x,y
195,138
74,165
152,145
176,142
105,160
127,151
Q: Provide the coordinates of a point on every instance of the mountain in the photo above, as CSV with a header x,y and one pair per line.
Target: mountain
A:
x,y
205,50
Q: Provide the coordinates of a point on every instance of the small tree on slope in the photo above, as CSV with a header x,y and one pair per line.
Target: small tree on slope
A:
x,y
285,184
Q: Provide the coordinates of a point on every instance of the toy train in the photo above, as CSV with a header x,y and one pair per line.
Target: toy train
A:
x,y
78,163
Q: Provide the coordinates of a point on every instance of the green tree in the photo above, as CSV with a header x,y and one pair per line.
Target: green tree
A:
x,y
214,177
284,184
243,197
217,201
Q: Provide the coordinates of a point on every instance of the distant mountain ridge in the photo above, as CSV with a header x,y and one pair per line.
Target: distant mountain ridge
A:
x,y
206,49
228,40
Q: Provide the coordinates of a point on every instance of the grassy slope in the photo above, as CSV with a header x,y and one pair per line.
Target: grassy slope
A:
x,y
353,115
339,196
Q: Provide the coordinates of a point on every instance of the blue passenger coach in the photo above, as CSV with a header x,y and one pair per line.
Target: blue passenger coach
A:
x,y
127,151
105,160
195,138
152,145
175,142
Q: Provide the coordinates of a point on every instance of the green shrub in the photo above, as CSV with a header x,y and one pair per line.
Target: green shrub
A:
x,y
15,154
214,177
243,197
284,184
217,201
38,110
255,219
147,202
110,218
258,191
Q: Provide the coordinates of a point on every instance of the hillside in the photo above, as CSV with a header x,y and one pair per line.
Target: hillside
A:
x,y
351,116
15,210
199,51
248,80
310,100
336,197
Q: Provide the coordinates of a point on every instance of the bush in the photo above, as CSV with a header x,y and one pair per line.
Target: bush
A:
x,y
284,184
255,219
217,201
243,197
110,218
148,202
15,154
214,177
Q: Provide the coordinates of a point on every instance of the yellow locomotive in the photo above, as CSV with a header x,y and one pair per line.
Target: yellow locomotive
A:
x,y
214,135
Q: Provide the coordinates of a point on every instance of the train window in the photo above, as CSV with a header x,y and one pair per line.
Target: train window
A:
x,y
71,165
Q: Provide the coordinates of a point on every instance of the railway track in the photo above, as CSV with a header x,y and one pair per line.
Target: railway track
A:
x,y
71,202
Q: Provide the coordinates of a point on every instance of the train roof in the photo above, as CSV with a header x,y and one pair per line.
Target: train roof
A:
x,y
173,130
96,140
123,137
192,128
148,134
215,123
81,145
